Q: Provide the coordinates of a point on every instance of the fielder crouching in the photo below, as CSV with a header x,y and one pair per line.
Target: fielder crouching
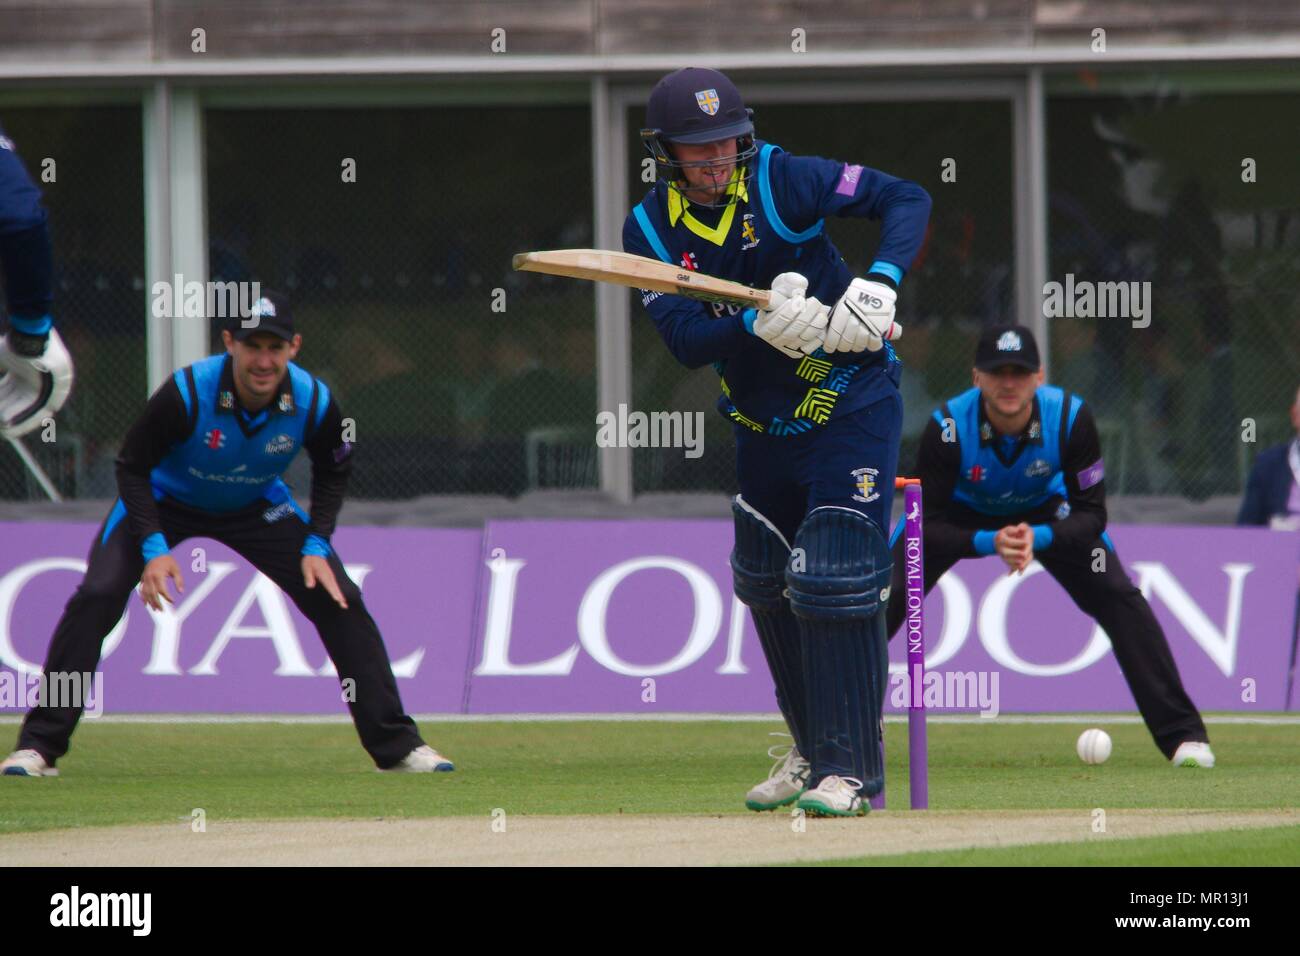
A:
x,y
1013,467
205,460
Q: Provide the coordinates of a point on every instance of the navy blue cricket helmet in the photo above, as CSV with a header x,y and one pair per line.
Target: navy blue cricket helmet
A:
x,y
692,106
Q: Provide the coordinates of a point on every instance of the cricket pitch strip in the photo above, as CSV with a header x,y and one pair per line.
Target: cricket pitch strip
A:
x,y
606,840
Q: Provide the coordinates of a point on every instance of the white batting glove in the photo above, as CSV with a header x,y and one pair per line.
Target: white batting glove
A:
x,y
32,387
863,319
809,329
790,319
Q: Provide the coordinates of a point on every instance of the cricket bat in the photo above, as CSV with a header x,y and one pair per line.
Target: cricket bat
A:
x,y
638,272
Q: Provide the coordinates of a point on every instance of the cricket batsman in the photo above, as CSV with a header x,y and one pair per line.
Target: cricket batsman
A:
x,y
205,460
1013,467
811,384
35,370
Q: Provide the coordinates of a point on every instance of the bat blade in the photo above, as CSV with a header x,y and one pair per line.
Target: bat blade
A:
x,y
638,272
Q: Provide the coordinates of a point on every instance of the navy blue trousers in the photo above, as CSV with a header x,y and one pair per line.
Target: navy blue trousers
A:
x,y
850,462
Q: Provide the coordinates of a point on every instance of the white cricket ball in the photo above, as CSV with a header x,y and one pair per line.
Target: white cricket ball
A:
x,y
1093,746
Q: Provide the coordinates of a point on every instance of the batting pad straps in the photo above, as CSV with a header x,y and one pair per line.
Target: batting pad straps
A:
x,y
839,567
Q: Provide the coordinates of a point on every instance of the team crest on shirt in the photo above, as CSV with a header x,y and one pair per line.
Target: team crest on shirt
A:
x,y
214,438
747,233
864,484
707,101
280,445
1038,468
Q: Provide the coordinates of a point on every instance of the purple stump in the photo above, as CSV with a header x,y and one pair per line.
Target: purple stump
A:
x,y
914,555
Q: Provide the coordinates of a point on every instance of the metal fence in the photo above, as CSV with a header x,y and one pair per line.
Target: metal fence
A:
x,y
88,162
1195,194
402,282
466,378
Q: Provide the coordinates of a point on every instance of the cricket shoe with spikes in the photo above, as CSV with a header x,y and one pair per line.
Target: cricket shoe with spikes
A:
x,y
423,759
787,779
26,763
835,797
1193,753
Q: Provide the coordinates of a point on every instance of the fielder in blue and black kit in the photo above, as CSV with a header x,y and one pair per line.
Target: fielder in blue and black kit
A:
x,y
813,392
1014,467
205,460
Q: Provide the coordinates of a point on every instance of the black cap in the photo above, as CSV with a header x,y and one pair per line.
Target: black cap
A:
x,y
695,105
269,313
1007,345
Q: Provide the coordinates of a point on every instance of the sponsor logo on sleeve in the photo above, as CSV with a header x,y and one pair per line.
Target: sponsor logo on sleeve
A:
x,y
848,184
1092,475
272,515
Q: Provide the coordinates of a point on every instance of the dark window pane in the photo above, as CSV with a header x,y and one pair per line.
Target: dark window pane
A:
x,y
394,275
1149,188
96,211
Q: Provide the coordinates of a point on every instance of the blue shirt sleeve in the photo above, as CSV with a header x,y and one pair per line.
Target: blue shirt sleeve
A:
x,y
691,333
153,546
316,545
808,188
25,257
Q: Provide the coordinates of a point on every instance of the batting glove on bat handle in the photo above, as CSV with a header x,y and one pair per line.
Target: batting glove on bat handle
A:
x,y
863,318
787,312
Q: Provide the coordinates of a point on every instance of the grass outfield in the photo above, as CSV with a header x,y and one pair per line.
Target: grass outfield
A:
x,y
121,773
1268,846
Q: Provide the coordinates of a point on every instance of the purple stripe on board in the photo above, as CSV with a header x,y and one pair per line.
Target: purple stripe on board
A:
x,y
849,180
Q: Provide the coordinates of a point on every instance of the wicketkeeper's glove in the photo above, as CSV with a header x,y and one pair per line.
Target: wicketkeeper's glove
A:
x,y
35,379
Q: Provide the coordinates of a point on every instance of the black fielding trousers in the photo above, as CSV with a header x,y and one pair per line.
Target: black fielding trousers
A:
x,y
1114,602
273,547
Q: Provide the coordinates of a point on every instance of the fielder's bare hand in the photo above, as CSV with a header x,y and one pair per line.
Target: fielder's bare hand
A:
x,y
1015,545
153,582
314,569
